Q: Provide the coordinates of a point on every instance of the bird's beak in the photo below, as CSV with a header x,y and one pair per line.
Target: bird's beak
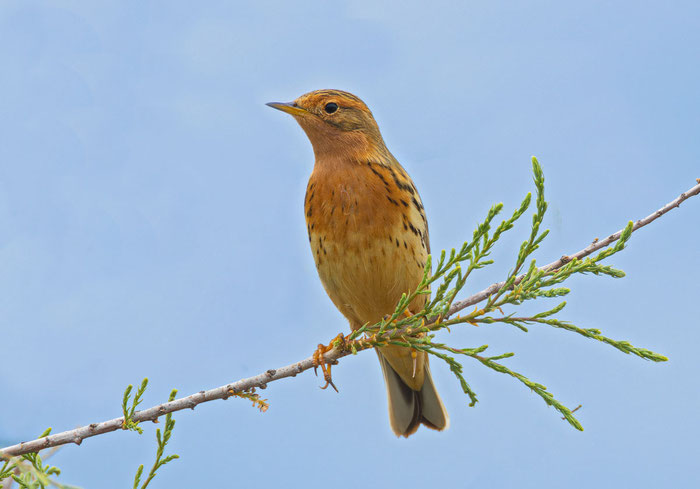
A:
x,y
289,108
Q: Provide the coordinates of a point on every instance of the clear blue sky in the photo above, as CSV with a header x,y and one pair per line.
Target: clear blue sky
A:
x,y
152,225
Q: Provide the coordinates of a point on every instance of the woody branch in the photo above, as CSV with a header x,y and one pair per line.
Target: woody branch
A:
x,y
260,381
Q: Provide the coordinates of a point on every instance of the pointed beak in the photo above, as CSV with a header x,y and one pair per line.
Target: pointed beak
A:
x,y
289,107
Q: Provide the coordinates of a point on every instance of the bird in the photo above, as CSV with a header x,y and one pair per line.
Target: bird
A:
x,y
369,237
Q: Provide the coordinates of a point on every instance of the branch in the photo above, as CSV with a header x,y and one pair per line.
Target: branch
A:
x,y
593,247
260,381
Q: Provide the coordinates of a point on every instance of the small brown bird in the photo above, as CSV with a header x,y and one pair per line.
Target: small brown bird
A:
x,y
369,237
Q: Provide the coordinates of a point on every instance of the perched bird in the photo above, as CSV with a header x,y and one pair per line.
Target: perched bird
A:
x,y
369,237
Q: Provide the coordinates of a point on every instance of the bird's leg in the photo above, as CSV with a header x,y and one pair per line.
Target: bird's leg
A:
x,y
319,361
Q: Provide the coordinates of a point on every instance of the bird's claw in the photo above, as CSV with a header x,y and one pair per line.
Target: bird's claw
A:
x,y
319,361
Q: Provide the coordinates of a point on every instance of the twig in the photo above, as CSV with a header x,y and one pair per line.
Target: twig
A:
x,y
152,414
260,381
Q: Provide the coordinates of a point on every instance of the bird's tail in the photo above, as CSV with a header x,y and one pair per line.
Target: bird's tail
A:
x,y
409,408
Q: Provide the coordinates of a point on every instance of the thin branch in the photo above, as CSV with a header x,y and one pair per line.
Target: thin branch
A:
x,y
152,414
260,381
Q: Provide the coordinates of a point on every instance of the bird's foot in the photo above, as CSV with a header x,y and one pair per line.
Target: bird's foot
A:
x,y
319,361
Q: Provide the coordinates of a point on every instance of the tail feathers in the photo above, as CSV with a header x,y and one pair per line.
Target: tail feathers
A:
x,y
408,409
434,414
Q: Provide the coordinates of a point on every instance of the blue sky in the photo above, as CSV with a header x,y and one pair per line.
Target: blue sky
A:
x,y
152,225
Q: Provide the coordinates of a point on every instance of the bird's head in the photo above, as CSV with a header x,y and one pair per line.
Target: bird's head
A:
x,y
337,123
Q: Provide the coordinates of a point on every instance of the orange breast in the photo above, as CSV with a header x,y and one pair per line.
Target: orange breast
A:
x,y
368,235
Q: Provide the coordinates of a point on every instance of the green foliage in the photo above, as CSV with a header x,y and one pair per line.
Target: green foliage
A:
x,y
129,423
30,472
417,330
162,442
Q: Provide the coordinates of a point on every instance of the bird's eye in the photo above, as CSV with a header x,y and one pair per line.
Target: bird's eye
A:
x,y
330,107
